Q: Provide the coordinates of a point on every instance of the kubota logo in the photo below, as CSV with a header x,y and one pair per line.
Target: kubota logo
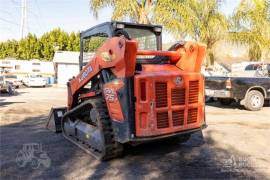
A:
x,y
178,81
85,73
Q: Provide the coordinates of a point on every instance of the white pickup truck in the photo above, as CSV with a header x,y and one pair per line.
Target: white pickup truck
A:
x,y
34,80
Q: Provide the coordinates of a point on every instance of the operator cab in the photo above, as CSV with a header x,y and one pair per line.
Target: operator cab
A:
x,y
148,37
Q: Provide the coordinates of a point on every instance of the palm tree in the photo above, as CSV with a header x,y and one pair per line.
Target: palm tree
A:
x,y
251,21
139,11
200,20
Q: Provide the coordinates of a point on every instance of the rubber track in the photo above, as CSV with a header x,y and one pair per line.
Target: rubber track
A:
x,y
111,148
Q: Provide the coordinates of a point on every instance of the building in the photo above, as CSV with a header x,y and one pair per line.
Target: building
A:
x,y
66,65
24,67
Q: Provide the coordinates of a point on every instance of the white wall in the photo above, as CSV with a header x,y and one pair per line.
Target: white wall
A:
x,y
23,67
66,71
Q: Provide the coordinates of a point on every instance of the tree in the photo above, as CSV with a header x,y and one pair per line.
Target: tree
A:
x,y
76,44
28,48
44,47
52,41
251,23
200,20
139,11
47,48
73,42
8,49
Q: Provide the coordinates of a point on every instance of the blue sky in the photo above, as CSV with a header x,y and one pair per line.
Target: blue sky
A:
x,y
70,15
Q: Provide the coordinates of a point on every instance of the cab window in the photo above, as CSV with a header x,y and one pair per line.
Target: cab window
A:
x,y
91,44
146,38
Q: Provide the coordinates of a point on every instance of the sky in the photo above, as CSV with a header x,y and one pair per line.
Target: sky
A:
x,y
69,15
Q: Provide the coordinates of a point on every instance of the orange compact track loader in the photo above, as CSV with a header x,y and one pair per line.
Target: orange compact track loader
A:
x,y
131,91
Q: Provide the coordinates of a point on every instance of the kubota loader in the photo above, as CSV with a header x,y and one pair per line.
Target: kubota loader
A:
x,y
131,91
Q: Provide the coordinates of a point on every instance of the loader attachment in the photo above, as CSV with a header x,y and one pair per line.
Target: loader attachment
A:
x,y
54,119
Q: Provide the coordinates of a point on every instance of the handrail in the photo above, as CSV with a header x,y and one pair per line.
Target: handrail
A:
x,y
174,55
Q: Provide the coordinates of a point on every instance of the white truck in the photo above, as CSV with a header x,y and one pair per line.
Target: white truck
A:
x,y
34,80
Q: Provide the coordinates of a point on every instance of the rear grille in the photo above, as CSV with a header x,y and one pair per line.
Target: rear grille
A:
x,y
192,115
161,94
162,120
143,91
178,96
193,92
178,118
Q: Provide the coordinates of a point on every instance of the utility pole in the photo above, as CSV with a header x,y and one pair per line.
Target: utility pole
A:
x,y
23,18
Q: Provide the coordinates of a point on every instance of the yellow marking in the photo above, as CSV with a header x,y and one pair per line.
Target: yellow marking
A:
x,y
107,57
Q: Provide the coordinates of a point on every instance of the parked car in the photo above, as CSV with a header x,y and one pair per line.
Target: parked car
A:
x,y
249,91
6,86
14,79
34,80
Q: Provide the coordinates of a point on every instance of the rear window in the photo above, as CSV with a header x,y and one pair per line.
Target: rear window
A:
x,y
251,67
90,45
146,38
35,76
11,77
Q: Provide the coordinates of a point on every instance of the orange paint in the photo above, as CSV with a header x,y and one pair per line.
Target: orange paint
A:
x,y
112,100
172,96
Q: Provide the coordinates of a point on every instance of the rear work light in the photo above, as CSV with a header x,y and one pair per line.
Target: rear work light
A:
x,y
120,26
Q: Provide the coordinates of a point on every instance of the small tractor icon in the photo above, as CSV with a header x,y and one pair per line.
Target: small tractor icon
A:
x,y
33,154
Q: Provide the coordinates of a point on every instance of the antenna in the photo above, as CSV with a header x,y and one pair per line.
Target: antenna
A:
x,y
23,18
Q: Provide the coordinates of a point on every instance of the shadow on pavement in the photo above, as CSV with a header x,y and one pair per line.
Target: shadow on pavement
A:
x,y
197,158
234,105
4,104
17,93
32,131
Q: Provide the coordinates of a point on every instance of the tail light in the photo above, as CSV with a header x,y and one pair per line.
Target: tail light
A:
x,y
228,84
